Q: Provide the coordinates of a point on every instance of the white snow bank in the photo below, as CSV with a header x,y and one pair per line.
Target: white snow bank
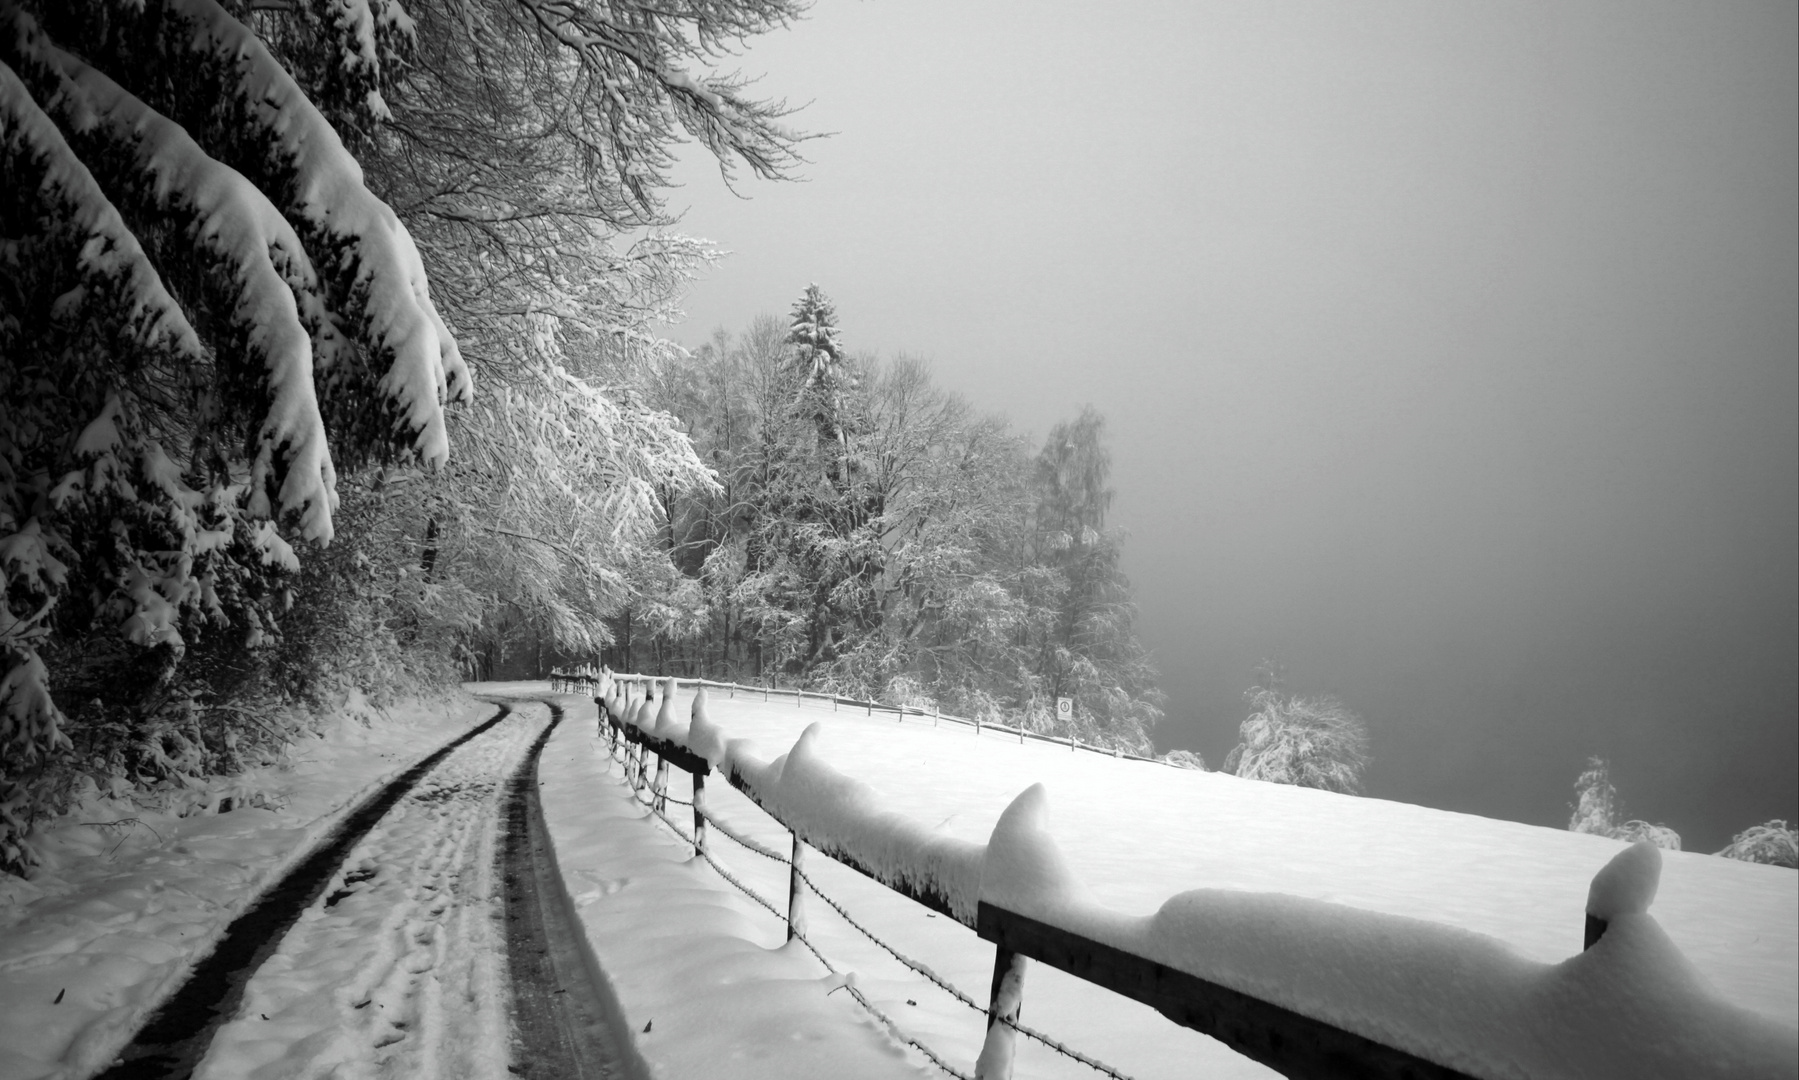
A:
x,y
699,971
1417,922
128,897
1630,1006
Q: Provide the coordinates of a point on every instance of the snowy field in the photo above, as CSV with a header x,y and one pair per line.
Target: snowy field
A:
x,y
701,972
1134,835
118,913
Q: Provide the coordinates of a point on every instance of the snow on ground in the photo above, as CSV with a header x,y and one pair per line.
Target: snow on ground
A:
x,y
725,996
1133,835
702,974
399,968
129,897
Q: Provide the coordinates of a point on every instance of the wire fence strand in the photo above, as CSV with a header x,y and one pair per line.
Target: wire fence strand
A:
x,y
956,992
765,852
911,964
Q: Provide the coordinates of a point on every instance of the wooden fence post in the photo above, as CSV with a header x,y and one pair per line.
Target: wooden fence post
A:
x,y
796,900
660,802
699,813
1006,1001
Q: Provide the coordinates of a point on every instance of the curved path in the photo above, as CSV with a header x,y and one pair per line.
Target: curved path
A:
x,y
413,942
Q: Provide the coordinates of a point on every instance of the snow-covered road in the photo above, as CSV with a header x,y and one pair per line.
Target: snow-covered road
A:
x,y
398,969
386,918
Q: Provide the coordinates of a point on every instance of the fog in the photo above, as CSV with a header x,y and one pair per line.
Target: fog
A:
x,y
1450,353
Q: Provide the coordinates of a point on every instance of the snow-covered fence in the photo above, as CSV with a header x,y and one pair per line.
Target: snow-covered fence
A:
x,y
1308,987
583,681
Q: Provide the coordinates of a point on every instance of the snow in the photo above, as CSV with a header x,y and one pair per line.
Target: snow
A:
x,y
129,894
401,971
1457,937
1022,869
111,249
837,812
1440,932
246,232
638,886
704,978
427,368
1627,884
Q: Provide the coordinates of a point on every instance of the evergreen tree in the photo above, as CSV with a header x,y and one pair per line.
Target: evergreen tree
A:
x,y
1079,630
218,346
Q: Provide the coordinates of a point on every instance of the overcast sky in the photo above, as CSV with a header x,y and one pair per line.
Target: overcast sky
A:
x,y
1449,351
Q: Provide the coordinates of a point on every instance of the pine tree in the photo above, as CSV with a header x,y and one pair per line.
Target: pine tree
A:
x,y
1079,630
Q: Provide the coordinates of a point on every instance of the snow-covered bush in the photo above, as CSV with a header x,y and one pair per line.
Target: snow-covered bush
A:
x,y
1312,742
1597,810
1659,835
1774,842
1185,759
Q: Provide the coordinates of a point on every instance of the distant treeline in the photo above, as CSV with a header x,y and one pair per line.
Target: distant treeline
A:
x,y
873,534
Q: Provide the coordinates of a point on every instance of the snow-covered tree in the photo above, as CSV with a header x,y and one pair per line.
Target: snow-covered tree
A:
x,y
818,354
900,560
1774,842
216,329
1079,621
194,266
1595,800
1597,810
524,160
1307,741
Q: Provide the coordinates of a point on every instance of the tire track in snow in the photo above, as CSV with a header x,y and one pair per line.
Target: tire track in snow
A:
x,y
567,1023
179,1033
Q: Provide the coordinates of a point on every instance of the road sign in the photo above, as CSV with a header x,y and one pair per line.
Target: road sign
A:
x,y
1064,708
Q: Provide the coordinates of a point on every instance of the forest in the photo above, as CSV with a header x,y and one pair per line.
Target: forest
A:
x,y
331,364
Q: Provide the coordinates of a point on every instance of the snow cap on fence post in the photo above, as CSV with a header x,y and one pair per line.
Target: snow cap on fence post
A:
x,y
1624,886
703,737
1025,871
665,716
